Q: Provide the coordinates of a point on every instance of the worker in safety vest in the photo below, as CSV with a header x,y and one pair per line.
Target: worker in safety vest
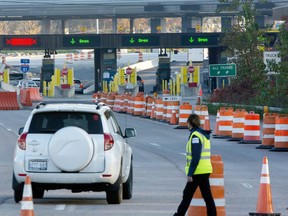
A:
x,y
198,167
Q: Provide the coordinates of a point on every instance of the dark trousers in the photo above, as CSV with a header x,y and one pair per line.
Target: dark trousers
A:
x,y
202,181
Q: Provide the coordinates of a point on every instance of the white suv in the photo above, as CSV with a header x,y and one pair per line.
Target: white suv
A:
x,y
74,146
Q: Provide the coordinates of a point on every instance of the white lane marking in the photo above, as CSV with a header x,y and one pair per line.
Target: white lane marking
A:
x,y
60,207
182,153
246,185
154,144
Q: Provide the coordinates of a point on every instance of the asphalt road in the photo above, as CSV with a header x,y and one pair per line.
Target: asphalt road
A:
x,y
158,173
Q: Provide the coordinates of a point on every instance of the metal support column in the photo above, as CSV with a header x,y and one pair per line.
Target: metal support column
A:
x,y
156,25
46,25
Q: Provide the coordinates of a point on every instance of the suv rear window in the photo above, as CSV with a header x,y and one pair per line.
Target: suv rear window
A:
x,y
50,122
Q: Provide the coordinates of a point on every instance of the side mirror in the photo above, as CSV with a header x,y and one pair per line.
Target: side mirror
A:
x,y
20,131
130,132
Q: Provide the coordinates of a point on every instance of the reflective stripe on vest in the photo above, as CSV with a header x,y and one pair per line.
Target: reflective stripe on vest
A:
x,y
204,165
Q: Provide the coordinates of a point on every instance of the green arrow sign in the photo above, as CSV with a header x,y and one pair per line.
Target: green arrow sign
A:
x,y
140,40
222,70
79,41
198,40
191,40
132,40
72,41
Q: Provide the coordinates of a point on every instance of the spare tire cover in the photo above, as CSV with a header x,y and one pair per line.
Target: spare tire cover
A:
x,y
71,149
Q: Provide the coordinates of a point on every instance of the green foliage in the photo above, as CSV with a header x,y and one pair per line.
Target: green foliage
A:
x,y
252,85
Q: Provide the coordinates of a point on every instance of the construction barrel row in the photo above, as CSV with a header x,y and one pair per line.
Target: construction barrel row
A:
x,y
171,112
239,125
234,125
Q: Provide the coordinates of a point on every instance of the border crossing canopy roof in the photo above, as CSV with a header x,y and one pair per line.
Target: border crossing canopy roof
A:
x,y
73,9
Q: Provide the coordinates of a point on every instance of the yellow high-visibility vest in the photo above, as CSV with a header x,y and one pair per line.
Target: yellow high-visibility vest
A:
x,y
204,165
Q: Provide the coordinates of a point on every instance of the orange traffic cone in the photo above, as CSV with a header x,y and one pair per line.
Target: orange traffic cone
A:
x,y
27,208
173,120
264,204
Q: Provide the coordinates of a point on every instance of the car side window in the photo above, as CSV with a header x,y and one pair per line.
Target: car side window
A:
x,y
112,123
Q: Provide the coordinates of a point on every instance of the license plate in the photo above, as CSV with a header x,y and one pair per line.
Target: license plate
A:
x,y
37,165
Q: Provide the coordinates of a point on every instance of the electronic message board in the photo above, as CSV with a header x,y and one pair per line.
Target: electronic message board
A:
x,y
15,42
81,41
199,40
140,40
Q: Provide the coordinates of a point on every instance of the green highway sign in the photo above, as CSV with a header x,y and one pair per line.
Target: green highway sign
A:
x,y
142,41
198,40
74,41
222,70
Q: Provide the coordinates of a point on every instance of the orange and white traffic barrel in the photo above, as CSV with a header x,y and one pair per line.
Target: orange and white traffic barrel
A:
x,y
202,112
76,57
225,122
251,129
82,56
116,106
69,57
103,97
238,124
150,101
184,112
89,55
130,108
172,105
268,130
216,130
159,109
164,118
153,111
281,134
198,205
110,99
139,105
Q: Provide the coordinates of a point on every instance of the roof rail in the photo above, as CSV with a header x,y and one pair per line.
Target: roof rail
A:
x,y
99,105
44,103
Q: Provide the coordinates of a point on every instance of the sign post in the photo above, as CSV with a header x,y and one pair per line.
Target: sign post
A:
x,y
129,71
191,70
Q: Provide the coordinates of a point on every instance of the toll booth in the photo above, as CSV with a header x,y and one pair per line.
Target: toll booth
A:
x,y
163,72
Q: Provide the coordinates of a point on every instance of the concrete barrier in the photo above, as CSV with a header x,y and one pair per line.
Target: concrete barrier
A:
x,y
8,101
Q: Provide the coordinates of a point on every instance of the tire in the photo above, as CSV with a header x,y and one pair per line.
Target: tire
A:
x,y
37,193
18,195
128,185
115,194
18,190
69,143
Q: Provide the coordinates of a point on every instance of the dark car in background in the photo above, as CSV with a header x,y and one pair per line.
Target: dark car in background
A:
x,y
78,86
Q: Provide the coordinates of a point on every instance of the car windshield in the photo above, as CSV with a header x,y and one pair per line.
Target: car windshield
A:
x,y
50,122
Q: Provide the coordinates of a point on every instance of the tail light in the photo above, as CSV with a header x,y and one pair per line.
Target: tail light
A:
x,y
22,141
81,86
108,141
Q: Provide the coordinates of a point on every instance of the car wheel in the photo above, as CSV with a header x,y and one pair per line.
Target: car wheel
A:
x,y
115,193
37,193
18,190
128,185
18,195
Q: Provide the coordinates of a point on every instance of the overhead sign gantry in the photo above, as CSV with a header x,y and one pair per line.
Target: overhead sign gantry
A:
x,y
102,41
